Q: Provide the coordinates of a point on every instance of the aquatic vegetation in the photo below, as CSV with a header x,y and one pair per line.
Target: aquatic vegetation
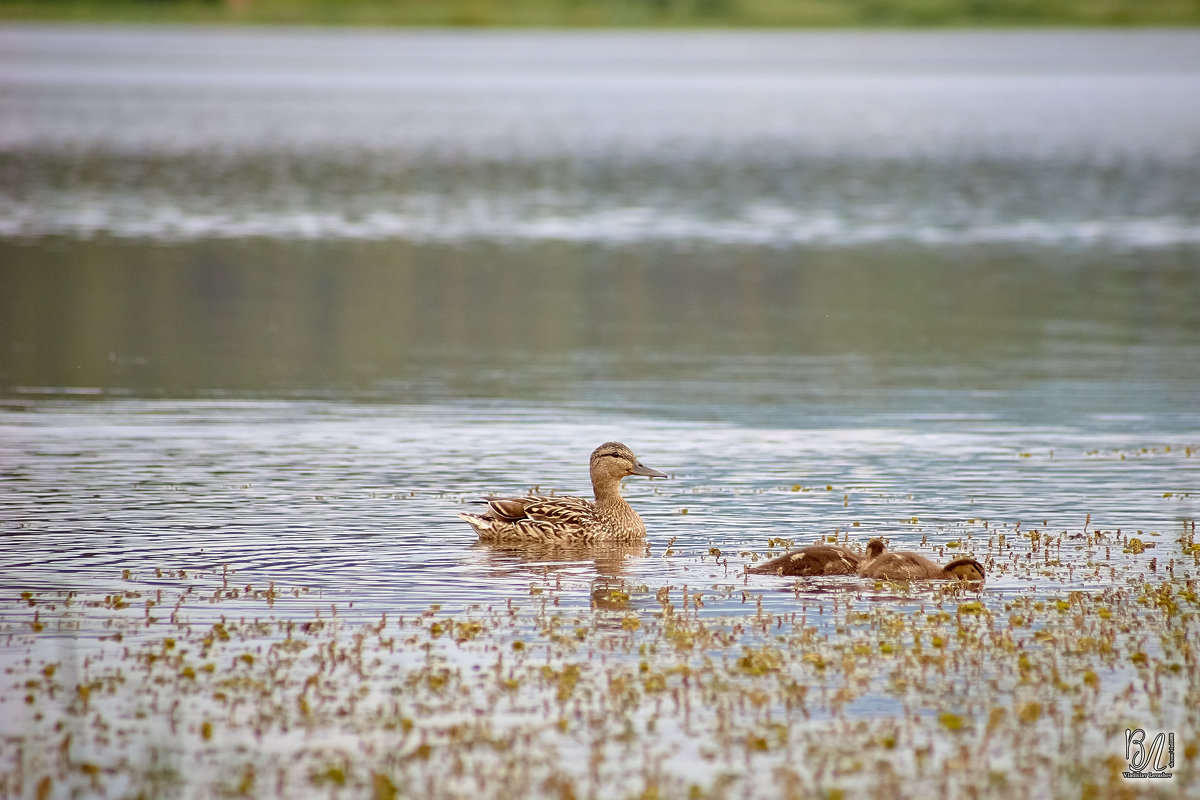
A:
x,y
665,691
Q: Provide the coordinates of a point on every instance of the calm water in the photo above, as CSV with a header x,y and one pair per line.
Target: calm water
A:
x,y
285,300
275,305
828,140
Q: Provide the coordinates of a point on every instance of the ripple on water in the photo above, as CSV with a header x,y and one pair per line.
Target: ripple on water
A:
x,y
360,502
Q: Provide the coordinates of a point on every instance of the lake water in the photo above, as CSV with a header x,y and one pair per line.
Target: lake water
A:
x,y
279,303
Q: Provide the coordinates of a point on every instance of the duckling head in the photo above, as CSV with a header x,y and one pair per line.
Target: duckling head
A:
x,y
875,548
964,569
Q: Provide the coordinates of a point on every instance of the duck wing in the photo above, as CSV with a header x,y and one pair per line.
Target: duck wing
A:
x,y
539,508
570,511
509,509
535,518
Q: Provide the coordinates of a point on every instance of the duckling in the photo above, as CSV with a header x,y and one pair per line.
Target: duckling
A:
x,y
537,518
819,559
906,566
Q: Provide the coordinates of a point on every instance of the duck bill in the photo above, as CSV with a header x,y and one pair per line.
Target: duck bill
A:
x,y
642,469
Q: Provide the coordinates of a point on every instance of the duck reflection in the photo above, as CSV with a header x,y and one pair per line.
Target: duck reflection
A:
x,y
608,558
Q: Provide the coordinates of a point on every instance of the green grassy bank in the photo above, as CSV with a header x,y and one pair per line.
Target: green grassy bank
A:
x,y
618,13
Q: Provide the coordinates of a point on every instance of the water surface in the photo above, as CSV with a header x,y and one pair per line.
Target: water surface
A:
x,y
275,306
368,276
1054,138
440,264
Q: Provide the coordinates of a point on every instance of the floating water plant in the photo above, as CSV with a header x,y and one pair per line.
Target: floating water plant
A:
x,y
671,691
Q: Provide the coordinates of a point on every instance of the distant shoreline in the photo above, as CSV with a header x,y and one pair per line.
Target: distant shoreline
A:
x,y
627,14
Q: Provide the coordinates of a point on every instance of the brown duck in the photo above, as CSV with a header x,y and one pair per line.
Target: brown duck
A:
x,y
541,519
906,566
819,559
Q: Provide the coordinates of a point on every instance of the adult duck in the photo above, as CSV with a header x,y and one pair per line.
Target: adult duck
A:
x,y
538,518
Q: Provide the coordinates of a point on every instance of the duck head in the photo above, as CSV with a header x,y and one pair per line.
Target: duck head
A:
x,y
614,461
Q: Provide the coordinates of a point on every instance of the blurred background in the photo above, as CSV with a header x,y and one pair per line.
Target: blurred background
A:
x,y
763,224
270,266
280,297
602,13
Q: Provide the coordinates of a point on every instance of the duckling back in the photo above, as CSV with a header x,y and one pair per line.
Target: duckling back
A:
x,y
812,561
